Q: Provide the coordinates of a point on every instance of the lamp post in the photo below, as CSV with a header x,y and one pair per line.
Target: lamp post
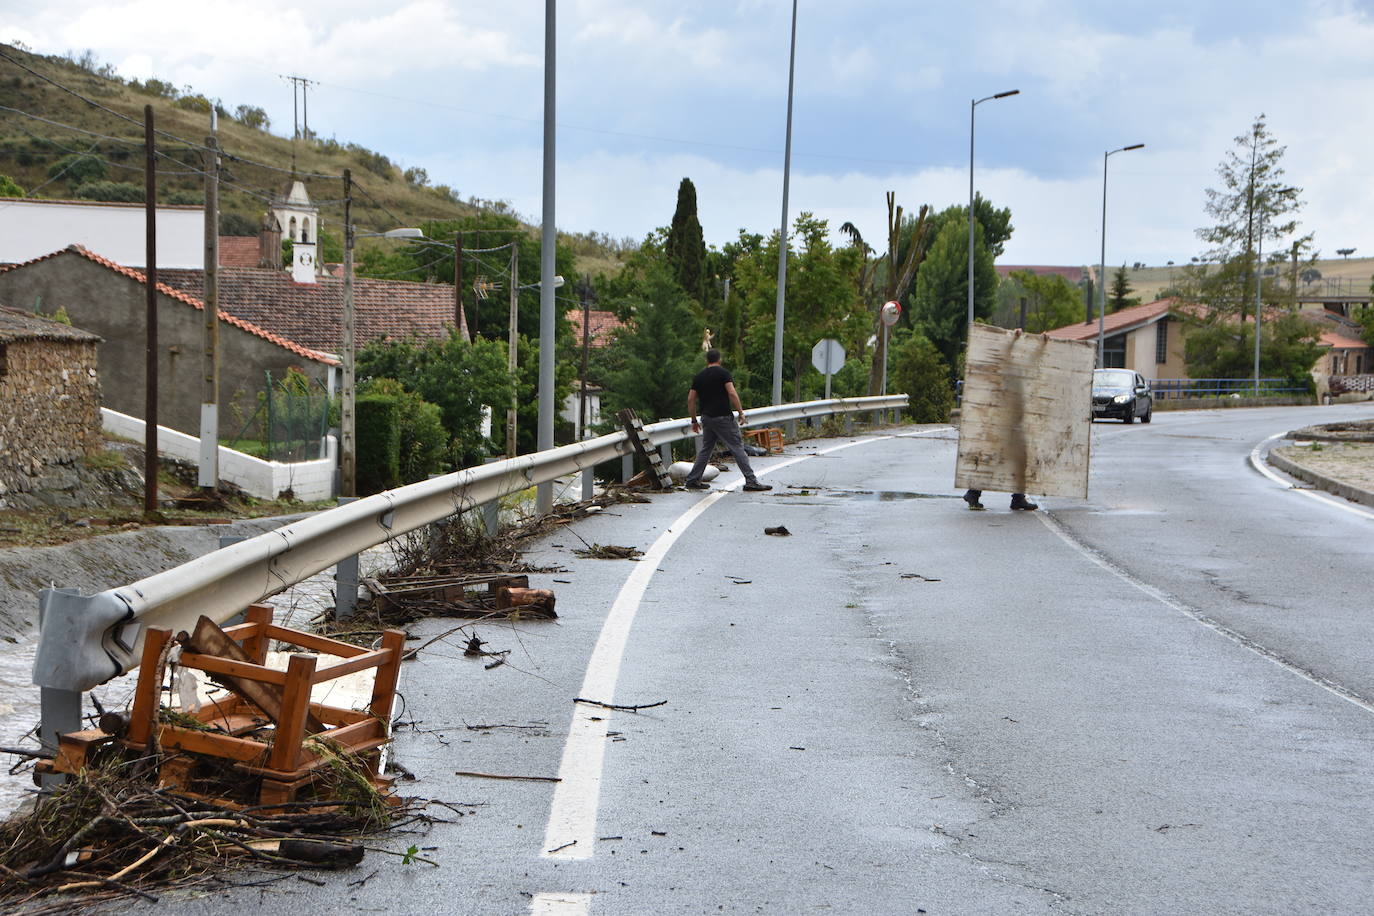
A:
x,y
1102,258
348,453
543,501
1259,282
972,108
780,306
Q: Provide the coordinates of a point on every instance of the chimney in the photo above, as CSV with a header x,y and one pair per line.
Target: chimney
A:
x,y
269,243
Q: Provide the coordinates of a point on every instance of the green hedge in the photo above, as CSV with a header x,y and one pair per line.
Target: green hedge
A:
x,y
378,421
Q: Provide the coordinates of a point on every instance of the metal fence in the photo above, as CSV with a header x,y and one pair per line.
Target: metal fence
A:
x,y
290,421
1167,389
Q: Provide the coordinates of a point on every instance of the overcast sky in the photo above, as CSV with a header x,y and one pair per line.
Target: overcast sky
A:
x,y
650,91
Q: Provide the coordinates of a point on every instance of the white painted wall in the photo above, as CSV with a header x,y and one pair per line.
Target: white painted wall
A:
x,y
308,480
32,228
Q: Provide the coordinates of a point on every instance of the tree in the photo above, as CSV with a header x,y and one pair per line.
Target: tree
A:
x,y
940,302
920,371
1051,301
1119,297
1251,178
1218,347
78,168
685,246
252,116
655,358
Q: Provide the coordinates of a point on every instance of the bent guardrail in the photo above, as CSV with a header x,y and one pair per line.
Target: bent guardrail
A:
x,y
87,640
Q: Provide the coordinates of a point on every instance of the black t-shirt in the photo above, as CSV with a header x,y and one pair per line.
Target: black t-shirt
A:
x,y
709,385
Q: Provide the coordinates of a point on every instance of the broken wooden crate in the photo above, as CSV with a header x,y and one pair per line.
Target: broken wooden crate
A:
x,y
267,730
769,439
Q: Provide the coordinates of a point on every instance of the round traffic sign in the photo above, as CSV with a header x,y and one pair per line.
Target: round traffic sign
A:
x,y
890,313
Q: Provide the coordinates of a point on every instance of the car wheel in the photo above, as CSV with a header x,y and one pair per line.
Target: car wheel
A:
x,y
1149,414
1129,415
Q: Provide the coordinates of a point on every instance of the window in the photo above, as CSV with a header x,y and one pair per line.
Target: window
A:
x,y
1162,340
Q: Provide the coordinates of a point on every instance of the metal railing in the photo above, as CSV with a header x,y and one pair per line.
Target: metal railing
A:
x,y
87,640
1180,388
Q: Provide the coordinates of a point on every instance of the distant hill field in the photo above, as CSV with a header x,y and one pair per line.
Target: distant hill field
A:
x,y
1147,282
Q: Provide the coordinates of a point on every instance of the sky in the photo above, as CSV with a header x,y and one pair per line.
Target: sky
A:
x,y
652,91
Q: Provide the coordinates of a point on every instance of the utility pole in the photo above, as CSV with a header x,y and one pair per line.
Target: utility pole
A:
x,y
514,337
548,318
458,287
780,306
150,355
209,402
347,422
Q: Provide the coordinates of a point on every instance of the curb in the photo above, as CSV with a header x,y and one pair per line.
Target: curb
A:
x,y
1330,485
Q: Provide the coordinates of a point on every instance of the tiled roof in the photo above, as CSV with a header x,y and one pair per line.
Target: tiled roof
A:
x,y
238,251
1124,320
16,325
312,313
1341,342
603,326
179,296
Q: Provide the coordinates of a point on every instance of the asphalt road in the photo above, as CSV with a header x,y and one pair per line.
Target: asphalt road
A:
x,y
1156,700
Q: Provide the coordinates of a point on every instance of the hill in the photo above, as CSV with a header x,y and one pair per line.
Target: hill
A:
x,y
1148,282
70,128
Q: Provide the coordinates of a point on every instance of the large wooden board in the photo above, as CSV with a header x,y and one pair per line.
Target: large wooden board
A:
x,y
1024,422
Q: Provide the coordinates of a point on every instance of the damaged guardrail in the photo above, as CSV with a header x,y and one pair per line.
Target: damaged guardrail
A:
x,y
85,640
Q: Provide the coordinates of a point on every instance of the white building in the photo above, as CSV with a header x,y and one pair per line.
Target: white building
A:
x,y
30,229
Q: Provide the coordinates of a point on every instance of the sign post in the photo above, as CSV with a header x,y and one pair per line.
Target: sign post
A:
x,y
890,313
828,358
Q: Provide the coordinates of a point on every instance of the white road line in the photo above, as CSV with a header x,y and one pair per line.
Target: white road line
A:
x,y
571,832
560,904
1197,616
1257,461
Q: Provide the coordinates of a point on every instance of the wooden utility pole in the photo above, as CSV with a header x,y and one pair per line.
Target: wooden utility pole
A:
x,y
348,458
514,332
150,370
458,288
209,402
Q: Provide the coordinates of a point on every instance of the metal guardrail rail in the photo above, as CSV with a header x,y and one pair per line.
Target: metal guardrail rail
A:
x,y
1179,388
85,640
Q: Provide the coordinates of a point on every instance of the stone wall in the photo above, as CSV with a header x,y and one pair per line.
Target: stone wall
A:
x,y
49,411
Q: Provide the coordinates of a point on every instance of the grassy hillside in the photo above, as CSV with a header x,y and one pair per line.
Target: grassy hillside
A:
x,y
32,150
1147,282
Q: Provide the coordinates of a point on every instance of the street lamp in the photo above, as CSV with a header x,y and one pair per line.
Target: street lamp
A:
x,y
972,108
348,453
1102,259
1259,282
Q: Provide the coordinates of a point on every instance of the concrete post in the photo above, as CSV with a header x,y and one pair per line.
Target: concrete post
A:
x,y
346,579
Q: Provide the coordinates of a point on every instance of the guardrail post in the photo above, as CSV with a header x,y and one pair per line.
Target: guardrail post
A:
x,y
588,478
791,427
627,467
849,424
59,710
491,511
665,451
346,579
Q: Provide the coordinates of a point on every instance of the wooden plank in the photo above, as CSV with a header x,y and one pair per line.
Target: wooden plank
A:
x,y
255,646
1024,422
388,674
295,716
213,664
149,686
322,644
357,663
209,639
212,744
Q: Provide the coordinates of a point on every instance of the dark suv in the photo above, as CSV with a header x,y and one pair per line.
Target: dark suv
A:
x,y
1122,393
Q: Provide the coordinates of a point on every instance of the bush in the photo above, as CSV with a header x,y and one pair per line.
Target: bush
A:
x,y
116,191
78,168
423,442
8,188
920,371
378,428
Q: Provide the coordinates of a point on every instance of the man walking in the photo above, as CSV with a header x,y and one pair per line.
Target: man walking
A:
x,y
714,389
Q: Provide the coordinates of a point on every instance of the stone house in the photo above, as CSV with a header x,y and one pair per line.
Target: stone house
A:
x,y
111,300
49,401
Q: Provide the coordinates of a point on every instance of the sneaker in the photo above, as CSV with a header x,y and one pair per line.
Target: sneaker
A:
x,y
1020,502
756,487
972,501
697,485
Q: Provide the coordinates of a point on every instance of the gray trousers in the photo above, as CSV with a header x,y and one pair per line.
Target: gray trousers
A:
x,y
721,429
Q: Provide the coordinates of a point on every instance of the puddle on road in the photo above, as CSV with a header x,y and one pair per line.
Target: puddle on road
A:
x,y
884,496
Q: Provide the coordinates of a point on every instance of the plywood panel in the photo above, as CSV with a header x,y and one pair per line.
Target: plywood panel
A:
x,y
1024,423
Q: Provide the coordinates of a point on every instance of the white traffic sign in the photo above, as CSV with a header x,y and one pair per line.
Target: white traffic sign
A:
x,y
828,356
